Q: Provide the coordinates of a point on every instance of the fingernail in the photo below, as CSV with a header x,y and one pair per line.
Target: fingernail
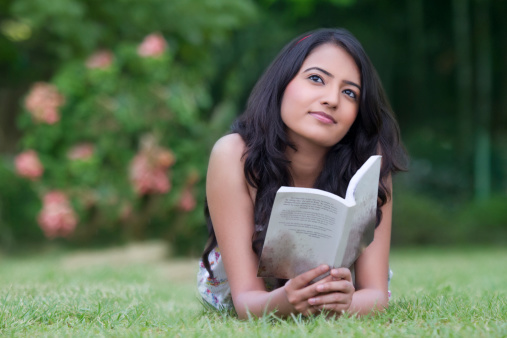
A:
x,y
324,268
320,288
311,301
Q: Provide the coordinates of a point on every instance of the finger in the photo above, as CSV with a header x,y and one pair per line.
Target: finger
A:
x,y
303,279
343,286
326,279
341,273
334,298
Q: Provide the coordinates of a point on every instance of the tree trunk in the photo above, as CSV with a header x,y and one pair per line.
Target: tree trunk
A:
x,y
483,103
415,11
9,108
461,27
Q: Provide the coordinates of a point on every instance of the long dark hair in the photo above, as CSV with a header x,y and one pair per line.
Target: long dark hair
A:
x,y
375,131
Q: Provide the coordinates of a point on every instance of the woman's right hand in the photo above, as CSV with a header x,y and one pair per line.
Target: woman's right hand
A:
x,y
298,290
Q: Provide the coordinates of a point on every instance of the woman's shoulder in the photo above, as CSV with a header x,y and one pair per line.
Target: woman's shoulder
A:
x,y
230,146
226,164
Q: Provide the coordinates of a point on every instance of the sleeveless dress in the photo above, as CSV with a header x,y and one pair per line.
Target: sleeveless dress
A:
x,y
214,290
217,292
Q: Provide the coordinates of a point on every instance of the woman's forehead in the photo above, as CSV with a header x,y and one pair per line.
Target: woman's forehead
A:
x,y
334,59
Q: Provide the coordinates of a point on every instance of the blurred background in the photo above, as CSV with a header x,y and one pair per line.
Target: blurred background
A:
x,y
108,111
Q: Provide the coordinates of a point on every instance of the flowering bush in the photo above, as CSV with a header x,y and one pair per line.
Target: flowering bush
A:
x,y
28,165
100,60
187,200
43,103
82,151
57,218
122,144
152,46
148,169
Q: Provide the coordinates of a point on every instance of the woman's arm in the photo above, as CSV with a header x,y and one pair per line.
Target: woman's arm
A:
x,y
232,212
371,270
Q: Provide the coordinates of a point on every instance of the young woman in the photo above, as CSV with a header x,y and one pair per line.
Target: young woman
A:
x,y
316,115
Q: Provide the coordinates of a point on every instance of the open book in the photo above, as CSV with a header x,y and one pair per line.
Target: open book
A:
x,y
309,227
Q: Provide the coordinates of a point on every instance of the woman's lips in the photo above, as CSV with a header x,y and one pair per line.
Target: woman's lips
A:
x,y
323,117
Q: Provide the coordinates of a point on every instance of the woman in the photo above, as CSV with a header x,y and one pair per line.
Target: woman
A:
x,y
316,115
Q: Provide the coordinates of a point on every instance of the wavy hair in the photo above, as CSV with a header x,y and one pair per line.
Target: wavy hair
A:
x,y
375,131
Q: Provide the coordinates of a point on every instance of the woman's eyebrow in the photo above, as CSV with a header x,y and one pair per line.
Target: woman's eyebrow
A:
x,y
331,75
320,70
352,84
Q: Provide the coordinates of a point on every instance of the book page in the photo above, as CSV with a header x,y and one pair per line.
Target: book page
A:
x,y
302,233
361,230
360,227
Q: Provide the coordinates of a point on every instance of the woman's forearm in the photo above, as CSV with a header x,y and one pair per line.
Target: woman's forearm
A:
x,y
259,303
368,301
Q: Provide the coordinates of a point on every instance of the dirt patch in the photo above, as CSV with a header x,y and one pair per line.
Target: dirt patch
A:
x,y
179,271
134,253
156,254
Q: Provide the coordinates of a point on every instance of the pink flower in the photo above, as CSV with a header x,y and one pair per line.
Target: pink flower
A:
x,y
187,200
101,59
57,218
153,45
43,103
149,168
147,176
165,158
28,165
82,151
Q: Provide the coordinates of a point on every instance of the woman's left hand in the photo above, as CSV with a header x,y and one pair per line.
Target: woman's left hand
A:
x,y
336,293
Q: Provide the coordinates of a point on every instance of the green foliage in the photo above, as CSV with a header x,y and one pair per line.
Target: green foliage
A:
x,y
188,97
194,24
130,104
421,220
18,208
485,221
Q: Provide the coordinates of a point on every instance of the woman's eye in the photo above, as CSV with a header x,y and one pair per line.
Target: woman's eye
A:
x,y
350,93
316,78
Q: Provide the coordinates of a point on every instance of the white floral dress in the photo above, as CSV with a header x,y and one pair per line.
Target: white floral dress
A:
x,y
217,292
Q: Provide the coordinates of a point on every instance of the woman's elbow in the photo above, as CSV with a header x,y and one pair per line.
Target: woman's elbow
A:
x,y
370,302
242,308
382,302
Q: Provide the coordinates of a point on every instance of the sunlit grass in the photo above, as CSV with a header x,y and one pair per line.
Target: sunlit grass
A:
x,y
457,292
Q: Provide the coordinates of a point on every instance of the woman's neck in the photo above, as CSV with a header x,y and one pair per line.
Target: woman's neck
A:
x,y
306,164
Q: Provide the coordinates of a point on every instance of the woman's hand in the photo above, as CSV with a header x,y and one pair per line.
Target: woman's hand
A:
x,y
335,294
299,290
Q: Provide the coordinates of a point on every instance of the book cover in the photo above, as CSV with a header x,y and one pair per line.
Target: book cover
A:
x,y
309,227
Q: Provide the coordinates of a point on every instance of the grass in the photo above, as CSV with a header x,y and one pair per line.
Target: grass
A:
x,y
436,292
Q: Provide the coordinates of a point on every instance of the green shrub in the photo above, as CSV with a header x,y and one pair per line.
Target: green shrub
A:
x,y
420,220
485,221
114,146
18,208
120,143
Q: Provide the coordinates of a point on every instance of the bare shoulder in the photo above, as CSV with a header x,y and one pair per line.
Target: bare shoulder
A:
x,y
226,165
231,146
226,159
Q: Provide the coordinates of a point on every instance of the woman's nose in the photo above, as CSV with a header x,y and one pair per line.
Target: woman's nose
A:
x,y
331,99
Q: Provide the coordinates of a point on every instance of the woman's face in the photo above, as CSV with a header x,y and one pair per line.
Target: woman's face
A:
x,y
321,102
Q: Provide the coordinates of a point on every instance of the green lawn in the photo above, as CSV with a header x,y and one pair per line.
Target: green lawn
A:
x,y
458,292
